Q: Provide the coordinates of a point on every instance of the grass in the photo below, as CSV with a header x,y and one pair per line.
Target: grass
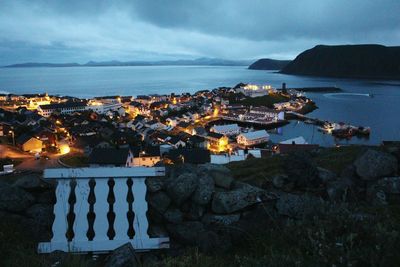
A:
x,y
75,160
257,171
335,238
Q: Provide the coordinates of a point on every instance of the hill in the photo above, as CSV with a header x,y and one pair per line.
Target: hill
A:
x,y
268,64
179,62
348,61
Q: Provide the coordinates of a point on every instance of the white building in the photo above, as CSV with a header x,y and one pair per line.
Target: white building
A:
x,y
63,108
268,113
228,129
253,138
253,90
102,106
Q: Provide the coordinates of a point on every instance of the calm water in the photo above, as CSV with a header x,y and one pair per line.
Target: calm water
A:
x,y
381,112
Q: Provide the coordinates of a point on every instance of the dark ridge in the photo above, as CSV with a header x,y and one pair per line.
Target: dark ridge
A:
x,y
348,61
268,64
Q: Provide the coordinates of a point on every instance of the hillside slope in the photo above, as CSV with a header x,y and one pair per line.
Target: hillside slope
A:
x,y
348,61
268,64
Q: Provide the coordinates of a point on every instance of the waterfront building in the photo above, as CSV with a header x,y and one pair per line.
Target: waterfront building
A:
x,y
67,108
228,129
253,90
253,138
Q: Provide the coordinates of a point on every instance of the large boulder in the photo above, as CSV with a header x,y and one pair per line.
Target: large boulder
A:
x,y
159,201
154,184
123,256
242,196
182,187
339,190
298,206
301,170
14,199
173,215
196,212
384,191
41,219
202,194
186,233
32,183
325,176
375,164
222,175
218,219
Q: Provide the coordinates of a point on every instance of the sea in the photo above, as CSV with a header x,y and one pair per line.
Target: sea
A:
x,y
372,103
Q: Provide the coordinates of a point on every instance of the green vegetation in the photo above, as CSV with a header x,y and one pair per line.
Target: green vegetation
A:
x,y
334,238
267,100
75,160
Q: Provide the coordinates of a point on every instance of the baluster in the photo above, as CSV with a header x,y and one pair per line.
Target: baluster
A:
x,y
100,225
81,209
121,207
140,209
61,209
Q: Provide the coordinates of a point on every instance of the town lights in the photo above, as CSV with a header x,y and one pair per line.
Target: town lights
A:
x,y
64,149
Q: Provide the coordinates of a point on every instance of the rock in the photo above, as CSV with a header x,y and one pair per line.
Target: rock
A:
x,y
339,190
222,175
242,196
42,214
32,183
375,164
301,170
173,215
279,180
123,256
154,184
157,230
215,219
46,197
298,206
182,187
186,233
348,172
204,190
14,199
384,191
325,175
196,212
159,201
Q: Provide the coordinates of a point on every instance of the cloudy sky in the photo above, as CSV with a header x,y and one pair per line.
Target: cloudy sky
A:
x,y
79,31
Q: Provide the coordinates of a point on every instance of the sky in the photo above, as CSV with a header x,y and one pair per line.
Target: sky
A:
x,y
101,30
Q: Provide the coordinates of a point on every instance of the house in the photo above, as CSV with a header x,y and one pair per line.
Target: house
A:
x,y
268,113
63,108
29,143
196,141
217,142
144,99
176,142
87,143
109,157
148,157
252,138
200,131
228,129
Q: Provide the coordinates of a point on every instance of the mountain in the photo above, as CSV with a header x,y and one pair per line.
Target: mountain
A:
x,y
33,64
268,64
348,61
192,62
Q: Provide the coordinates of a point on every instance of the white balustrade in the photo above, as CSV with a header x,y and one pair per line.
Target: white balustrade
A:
x,y
101,241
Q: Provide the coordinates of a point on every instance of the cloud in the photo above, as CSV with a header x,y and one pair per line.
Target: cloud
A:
x,y
67,31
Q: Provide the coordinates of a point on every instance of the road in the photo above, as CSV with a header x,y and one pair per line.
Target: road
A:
x,y
29,162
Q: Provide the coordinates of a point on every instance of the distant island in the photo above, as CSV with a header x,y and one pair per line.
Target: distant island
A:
x,y
348,61
268,64
180,62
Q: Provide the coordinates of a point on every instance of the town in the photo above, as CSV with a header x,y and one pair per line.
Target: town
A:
x,y
218,126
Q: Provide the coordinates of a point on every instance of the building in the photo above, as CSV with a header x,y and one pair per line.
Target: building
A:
x,y
298,141
253,138
64,108
269,114
29,143
217,142
147,157
228,129
102,106
109,157
253,90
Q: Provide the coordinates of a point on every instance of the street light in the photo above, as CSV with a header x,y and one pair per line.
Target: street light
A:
x,y
13,136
